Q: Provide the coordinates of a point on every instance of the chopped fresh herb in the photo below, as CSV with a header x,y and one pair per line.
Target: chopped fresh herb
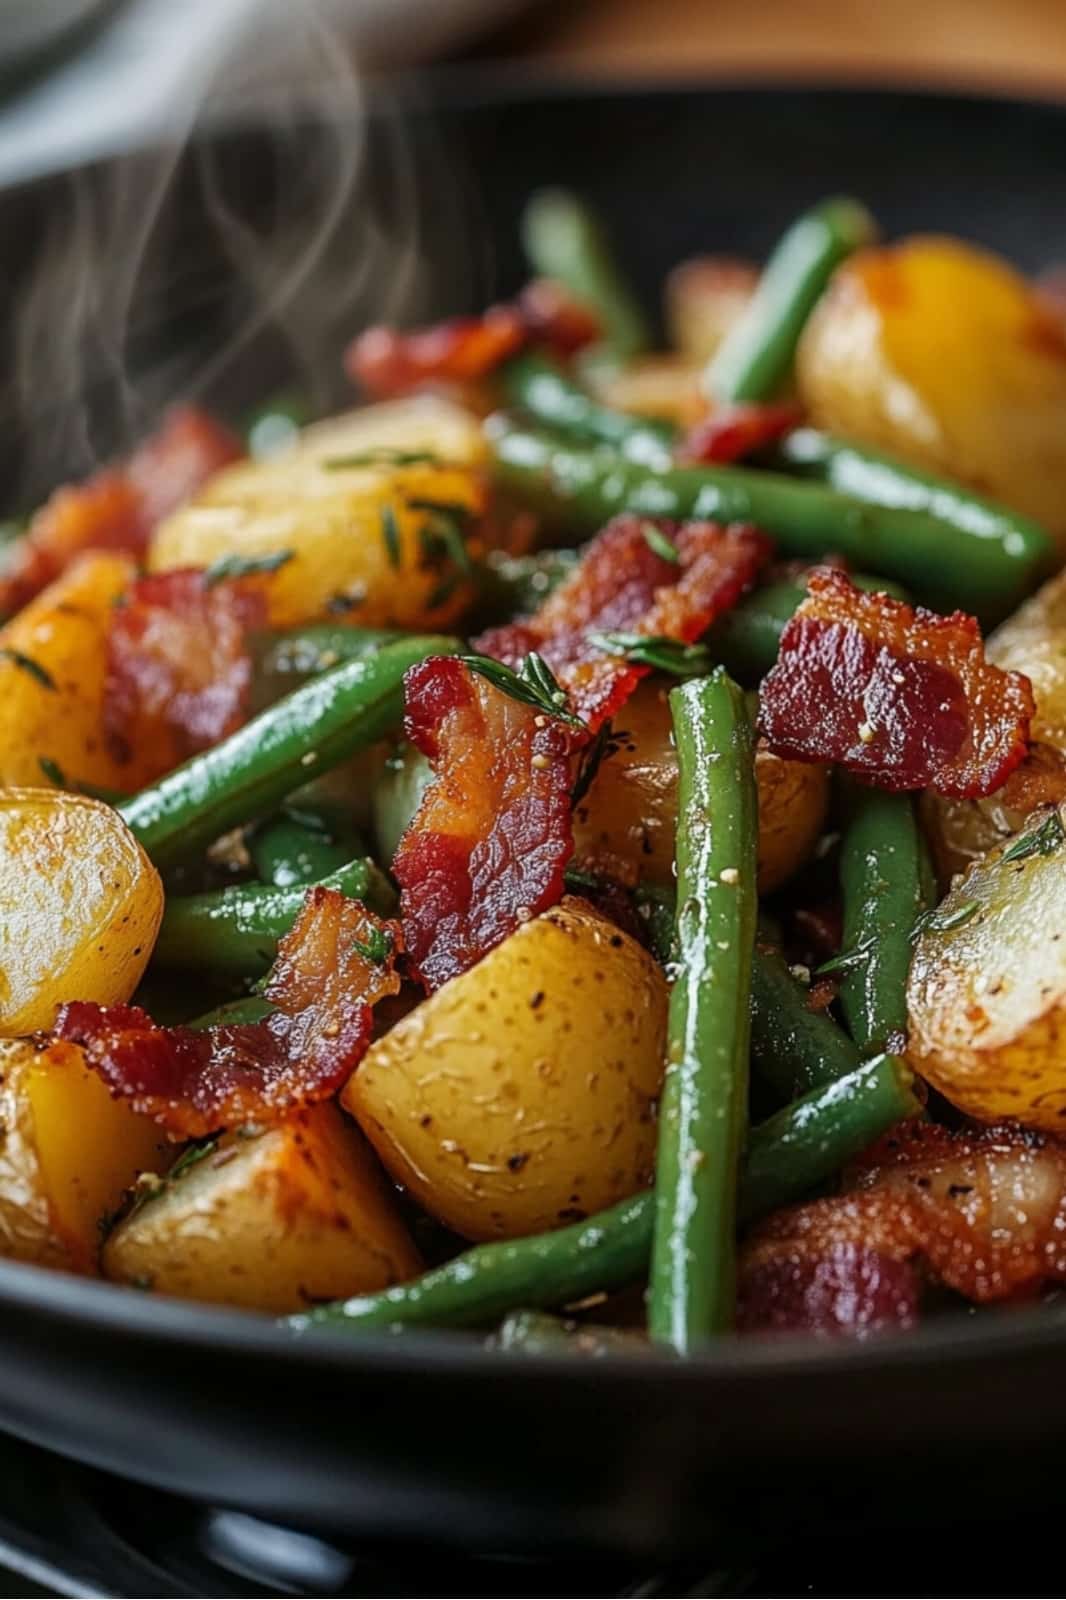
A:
x,y
603,744
382,457
846,961
443,591
191,1155
658,542
28,664
442,540
578,879
1042,841
536,685
939,921
656,651
390,532
234,566
377,948
444,508
53,772
340,603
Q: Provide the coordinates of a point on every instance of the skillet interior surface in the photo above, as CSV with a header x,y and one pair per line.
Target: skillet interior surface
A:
x,y
433,1438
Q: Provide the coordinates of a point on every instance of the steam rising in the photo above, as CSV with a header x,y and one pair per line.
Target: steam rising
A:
x,y
215,269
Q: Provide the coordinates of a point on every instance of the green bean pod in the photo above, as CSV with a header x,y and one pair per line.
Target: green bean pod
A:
x,y
579,490
755,358
788,1155
236,930
291,849
250,773
564,240
794,1048
882,879
533,384
703,1109
299,653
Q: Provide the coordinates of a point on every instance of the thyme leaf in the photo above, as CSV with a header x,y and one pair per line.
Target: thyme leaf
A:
x,y
234,566
657,651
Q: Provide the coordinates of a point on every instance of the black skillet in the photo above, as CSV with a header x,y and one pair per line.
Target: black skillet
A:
x,y
423,1437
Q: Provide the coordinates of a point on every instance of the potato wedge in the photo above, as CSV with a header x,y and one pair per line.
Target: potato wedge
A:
x,y
356,533
57,718
626,823
942,352
986,999
522,1094
80,906
704,298
69,1154
1033,641
665,386
277,1221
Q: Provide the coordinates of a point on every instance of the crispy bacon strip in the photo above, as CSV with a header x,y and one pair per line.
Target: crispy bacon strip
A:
x,y
623,583
179,674
488,845
117,508
733,432
900,696
981,1213
195,1081
386,362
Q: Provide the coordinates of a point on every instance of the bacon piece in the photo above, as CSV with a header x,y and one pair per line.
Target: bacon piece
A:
x,y
179,675
983,1214
488,845
900,696
736,431
117,508
195,1081
386,362
623,584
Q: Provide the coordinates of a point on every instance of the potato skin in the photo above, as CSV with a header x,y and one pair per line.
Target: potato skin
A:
x,y
277,1221
943,353
987,1001
64,630
704,298
69,1153
80,906
331,519
626,823
522,1095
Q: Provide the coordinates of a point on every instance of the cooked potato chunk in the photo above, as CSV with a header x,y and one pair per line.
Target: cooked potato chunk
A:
x,y
627,821
357,533
704,299
69,1154
942,352
1033,641
987,998
664,386
522,1094
80,906
275,1221
54,714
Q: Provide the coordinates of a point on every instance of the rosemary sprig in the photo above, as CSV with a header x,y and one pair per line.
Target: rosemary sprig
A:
x,y
658,542
939,921
602,746
390,532
382,456
234,566
846,960
1043,840
657,651
377,947
536,684
28,664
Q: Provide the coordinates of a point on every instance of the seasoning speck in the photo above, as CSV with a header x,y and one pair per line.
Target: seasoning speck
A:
x,y
729,875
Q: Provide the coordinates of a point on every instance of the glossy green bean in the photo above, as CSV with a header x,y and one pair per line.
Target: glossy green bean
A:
x,y
565,240
793,1048
881,874
299,653
290,849
533,384
511,586
703,1108
250,773
755,358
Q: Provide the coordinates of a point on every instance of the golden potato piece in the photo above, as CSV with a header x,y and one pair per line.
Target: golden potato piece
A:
x,y
55,714
986,999
942,352
522,1094
357,533
626,823
69,1154
1033,641
665,386
80,906
704,299
277,1221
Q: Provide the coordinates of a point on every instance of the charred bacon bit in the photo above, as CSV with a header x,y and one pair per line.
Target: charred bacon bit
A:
x,y
489,843
848,1290
899,696
983,1214
179,675
387,363
737,431
116,509
624,583
196,1081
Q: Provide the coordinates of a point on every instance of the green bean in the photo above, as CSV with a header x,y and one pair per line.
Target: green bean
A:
x,y
294,848
746,640
397,796
882,880
250,773
703,1108
794,1048
755,358
276,424
883,480
796,1150
301,652
534,385
538,1333
580,490
253,1008
236,930
564,240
